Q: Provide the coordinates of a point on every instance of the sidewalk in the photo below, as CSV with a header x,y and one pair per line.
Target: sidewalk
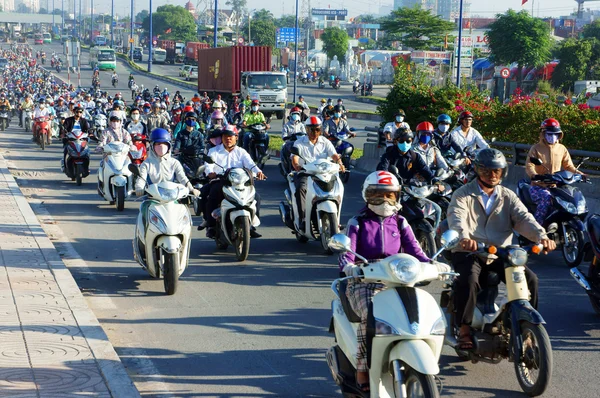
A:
x,y
51,344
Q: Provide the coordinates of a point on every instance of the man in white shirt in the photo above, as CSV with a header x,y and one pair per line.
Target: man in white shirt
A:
x,y
390,128
41,111
228,155
465,135
310,148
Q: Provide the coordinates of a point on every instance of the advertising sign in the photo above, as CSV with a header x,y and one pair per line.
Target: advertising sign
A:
x,y
329,12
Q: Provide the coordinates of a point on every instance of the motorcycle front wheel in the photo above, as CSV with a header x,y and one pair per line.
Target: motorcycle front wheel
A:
x,y
42,140
196,204
594,280
572,249
346,175
329,227
171,272
533,365
427,242
416,385
78,174
120,198
242,242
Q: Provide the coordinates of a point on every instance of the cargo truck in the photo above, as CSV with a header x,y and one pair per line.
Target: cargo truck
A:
x,y
170,46
242,71
191,52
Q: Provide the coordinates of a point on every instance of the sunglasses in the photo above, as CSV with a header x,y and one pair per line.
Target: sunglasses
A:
x,y
402,141
489,172
445,124
78,111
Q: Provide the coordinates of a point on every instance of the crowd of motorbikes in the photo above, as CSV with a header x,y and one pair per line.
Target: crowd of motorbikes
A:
x,y
408,326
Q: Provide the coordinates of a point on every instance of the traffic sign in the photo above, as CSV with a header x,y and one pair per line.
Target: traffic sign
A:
x,y
153,42
131,40
432,62
241,40
505,73
303,53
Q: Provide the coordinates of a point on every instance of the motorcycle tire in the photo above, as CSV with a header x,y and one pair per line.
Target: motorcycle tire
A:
x,y
301,238
42,141
26,125
416,384
3,124
242,242
120,198
196,205
346,175
540,355
171,272
329,227
573,260
78,174
427,242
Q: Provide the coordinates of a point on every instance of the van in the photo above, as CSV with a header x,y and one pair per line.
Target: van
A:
x,y
99,41
137,54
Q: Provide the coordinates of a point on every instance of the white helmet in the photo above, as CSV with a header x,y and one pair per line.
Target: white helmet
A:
x,y
313,121
380,181
217,104
115,114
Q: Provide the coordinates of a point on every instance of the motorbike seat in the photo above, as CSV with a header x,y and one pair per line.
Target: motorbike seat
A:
x,y
352,316
489,292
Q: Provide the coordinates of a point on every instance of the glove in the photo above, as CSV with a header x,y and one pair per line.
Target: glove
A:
x,y
195,192
441,267
352,270
139,192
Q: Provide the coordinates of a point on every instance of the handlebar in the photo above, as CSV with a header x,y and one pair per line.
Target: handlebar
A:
x,y
503,252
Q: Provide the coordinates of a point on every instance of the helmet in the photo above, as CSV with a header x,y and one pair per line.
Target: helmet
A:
x,y
295,110
551,125
443,118
160,135
188,108
404,135
219,97
255,102
491,158
146,105
337,108
425,126
114,115
230,129
313,121
190,114
217,115
217,104
339,100
329,101
380,181
323,100
197,95
465,115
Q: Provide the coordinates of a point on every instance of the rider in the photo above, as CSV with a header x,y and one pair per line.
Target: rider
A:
x,y
228,155
555,157
71,128
26,105
303,105
190,137
253,117
425,147
376,223
337,124
310,148
294,125
322,106
114,77
238,118
442,137
466,136
156,119
178,96
483,211
390,128
114,132
39,112
136,125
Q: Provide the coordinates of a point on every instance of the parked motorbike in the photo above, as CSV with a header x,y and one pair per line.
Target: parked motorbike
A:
x,y
564,222
4,117
115,181
237,213
78,157
43,131
163,231
514,330
258,144
591,283
324,195
407,332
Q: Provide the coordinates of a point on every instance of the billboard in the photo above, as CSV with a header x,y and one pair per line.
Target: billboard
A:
x,y
329,12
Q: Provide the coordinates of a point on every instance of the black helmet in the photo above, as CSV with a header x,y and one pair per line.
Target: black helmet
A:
x,y
190,114
337,108
404,135
491,158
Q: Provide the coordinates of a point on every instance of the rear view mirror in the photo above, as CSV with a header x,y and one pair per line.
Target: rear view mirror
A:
x,y
294,151
449,239
134,169
208,159
394,170
352,129
339,243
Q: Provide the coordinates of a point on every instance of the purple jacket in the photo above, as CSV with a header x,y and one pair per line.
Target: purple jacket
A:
x,y
376,238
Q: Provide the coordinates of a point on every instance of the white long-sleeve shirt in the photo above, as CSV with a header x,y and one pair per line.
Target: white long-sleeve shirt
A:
x,y
310,152
237,157
41,112
472,139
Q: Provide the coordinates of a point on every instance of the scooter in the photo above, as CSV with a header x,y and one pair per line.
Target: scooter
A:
x,y
591,283
115,180
324,196
513,330
77,165
258,144
28,119
43,131
406,331
100,123
237,212
564,223
139,154
4,117
163,231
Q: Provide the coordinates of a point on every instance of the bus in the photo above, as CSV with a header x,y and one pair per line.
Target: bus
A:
x,y
159,55
103,58
47,38
100,41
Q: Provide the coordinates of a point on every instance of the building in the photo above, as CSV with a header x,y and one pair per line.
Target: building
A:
x,y
447,9
8,5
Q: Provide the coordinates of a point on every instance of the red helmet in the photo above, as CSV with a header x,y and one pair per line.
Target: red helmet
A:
x,y
295,110
188,108
425,126
313,121
255,102
551,125
465,115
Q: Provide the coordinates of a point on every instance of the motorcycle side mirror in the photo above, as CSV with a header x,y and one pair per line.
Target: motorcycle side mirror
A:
x,y
208,159
294,151
394,170
439,172
536,161
493,139
457,155
340,243
352,129
134,170
449,239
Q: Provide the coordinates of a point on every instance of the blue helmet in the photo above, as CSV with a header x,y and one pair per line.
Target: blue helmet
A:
x,y
443,118
160,135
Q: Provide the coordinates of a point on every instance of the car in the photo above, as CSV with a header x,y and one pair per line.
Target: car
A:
x,y
137,54
193,75
184,71
22,39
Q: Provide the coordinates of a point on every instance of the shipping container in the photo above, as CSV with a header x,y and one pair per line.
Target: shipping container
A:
x,y
191,52
169,47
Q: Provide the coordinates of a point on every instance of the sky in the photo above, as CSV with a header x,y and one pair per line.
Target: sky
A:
x,y
483,8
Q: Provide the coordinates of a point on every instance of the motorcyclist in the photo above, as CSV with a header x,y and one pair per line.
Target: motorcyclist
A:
x,y
378,231
156,119
424,146
114,132
238,118
178,96
136,125
253,117
181,125
442,137
466,136
294,125
390,128
311,147
555,157
189,138
71,128
303,105
228,155
327,110
340,103
5,102
26,105
39,112
337,124
217,121
483,211
322,106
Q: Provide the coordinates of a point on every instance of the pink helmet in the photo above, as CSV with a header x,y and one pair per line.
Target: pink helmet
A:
x,y
217,115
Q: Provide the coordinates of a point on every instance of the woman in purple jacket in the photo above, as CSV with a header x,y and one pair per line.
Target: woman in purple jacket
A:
x,y
376,233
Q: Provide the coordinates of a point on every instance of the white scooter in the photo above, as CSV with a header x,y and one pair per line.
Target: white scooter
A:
x,y
405,334
163,232
115,181
324,195
237,213
28,119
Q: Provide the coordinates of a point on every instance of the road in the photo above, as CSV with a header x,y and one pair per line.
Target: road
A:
x,y
257,328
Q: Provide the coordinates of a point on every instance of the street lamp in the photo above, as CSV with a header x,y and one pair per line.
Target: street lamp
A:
x,y
131,35
112,19
296,53
249,23
150,40
92,20
62,27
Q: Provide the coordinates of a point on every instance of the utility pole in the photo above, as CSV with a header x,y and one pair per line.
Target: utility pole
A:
x,y
92,21
150,40
131,36
460,22
296,53
112,19
62,28
216,22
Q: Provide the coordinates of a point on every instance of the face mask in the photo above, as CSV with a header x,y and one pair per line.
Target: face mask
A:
x,y
399,119
146,110
337,115
161,150
135,117
551,138
403,146
115,125
42,106
385,209
443,128
190,122
424,139
295,117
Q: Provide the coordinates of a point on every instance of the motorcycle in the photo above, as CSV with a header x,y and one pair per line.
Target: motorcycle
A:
x,y
78,157
100,124
305,80
285,165
58,66
345,150
192,161
4,117
321,84
163,231
564,222
237,212
513,330
114,81
591,283
407,331
139,154
28,119
115,180
324,195
43,131
258,144
335,84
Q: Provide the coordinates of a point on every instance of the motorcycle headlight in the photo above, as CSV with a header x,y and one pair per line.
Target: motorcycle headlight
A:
x,y
439,327
568,206
168,194
237,178
581,205
324,167
384,328
517,257
406,269
157,221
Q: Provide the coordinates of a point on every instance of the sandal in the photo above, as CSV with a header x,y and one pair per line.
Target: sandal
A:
x,y
465,342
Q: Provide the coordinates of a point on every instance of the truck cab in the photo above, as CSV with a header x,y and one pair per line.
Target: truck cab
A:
x,y
270,88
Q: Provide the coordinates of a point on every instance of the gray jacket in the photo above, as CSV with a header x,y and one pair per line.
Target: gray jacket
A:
x,y
155,170
431,155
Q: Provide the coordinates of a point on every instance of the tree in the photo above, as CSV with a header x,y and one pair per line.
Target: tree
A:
x,y
592,30
262,32
518,37
263,15
574,55
141,16
22,8
43,11
172,23
417,28
239,7
57,11
335,42
366,18
287,21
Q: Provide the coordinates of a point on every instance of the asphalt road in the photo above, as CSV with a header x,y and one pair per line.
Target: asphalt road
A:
x,y
257,328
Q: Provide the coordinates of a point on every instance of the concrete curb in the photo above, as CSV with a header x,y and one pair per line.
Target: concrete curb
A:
x,y
116,378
